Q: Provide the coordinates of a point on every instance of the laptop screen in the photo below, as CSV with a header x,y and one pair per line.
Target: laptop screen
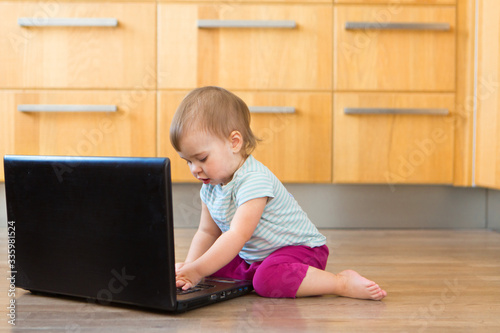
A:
x,y
94,227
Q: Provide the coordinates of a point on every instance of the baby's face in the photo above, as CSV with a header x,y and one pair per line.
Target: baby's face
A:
x,y
211,159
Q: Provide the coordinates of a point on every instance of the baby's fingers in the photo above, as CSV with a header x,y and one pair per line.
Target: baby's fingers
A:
x,y
178,266
180,283
185,285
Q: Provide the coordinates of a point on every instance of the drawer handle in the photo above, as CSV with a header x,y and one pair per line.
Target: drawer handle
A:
x,y
211,24
435,112
65,108
271,109
396,26
67,22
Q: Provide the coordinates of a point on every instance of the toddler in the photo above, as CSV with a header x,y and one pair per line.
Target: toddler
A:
x,y
250,228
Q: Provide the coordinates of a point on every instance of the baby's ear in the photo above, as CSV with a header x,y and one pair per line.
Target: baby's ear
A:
x,y
236,141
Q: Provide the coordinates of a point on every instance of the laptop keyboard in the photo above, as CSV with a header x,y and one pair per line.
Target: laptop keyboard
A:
x,y
198,287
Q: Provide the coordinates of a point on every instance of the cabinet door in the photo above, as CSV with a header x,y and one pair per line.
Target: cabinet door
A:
x,y
406,144
284,47
394,48
128,131
84,50
488,98
295,129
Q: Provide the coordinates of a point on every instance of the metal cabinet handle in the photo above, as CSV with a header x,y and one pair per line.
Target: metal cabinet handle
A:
x,y
65,108
396,26
211,24
67,22
271,109
435,112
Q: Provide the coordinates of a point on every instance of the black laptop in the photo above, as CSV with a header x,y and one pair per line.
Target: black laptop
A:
x,y
100,228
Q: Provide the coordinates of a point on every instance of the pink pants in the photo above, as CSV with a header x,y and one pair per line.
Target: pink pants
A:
x,y
281,273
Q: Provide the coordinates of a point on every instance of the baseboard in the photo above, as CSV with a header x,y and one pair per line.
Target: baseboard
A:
x,y
493,209
364,206
367,206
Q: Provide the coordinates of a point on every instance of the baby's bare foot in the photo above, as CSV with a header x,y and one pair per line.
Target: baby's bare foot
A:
x,y
357,286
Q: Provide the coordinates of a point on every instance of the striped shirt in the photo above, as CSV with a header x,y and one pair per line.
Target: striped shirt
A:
x,y
283,222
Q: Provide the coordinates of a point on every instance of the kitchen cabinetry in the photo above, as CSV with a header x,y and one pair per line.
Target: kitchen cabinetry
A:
x,y
276,56
487,171
394,93
78,123
283,121
78,78
393,137
395,4
92,45
411,48
353,91
245,46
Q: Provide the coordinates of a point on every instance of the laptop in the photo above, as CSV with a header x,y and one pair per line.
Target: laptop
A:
x,y
100,228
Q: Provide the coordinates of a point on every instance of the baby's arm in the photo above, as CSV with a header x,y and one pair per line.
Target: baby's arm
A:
x,y
205,236
225,248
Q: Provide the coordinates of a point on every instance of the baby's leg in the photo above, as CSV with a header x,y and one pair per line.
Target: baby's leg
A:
x,y
347,283
282,272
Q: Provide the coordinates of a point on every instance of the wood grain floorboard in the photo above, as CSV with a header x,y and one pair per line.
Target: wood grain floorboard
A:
x,y
437,281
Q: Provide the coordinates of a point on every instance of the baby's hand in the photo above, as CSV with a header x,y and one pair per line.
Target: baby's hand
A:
x,y
186,276
178,266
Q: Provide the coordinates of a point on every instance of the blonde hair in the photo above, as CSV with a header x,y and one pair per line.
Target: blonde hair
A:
x,y
216,111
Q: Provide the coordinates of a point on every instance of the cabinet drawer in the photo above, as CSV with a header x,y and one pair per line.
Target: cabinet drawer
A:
x,y
128,131
95,53
264,47
295,129
411,143
230,4
408,48
395,4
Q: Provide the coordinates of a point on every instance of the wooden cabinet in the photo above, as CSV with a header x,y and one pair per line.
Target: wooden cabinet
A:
x,y
394,92
65,56
285,62
128,131
271,54
295,129
114,47
231,3
245,46
408,48
396,4
393,138
487,170
295,146
319,57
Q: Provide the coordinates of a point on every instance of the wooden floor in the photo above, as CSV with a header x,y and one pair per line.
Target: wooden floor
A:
x,y
437,281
